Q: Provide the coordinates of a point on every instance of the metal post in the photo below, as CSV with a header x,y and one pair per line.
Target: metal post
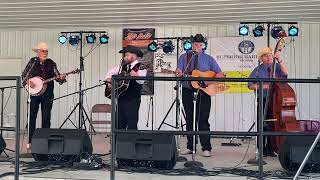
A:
x,y
113,120
80,85
17,153
2,98
260,130
268,34
177,91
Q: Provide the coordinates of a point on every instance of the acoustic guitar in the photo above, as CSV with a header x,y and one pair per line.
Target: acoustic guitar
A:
x,y
123,85
210,87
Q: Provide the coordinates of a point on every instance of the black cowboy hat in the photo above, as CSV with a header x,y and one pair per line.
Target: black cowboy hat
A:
x,y
198,38
132,49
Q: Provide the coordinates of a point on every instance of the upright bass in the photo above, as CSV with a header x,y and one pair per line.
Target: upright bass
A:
x,y
280,105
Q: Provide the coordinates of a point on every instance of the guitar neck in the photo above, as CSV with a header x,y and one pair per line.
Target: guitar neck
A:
x,y
50,79
55,77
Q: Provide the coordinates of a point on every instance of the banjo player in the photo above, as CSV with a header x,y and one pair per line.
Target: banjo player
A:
x,y
44,68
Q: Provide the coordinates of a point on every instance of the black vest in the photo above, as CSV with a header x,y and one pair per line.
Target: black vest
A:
x,y
134,89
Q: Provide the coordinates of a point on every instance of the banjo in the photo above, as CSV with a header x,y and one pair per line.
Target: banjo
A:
x,y
40,85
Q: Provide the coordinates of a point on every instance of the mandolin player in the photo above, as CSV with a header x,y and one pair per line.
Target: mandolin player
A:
x,y
130,96
197,59
45,68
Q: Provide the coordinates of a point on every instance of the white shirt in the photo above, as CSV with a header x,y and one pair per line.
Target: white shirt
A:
x,y
115,71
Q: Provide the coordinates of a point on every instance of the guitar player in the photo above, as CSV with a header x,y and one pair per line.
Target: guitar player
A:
x,y
129,100
197,59
45,68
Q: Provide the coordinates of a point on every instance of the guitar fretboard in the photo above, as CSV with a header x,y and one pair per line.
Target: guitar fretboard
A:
x,y
54,78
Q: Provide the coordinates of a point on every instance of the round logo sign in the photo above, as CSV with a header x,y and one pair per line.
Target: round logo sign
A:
x,y
246,47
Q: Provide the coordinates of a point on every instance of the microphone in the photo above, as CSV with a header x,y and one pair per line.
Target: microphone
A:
x,y
104,81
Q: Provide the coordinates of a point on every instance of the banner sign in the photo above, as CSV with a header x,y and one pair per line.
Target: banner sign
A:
x,y
141,38
237,57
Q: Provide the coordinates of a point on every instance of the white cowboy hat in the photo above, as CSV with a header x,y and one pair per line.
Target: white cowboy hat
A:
x,y
40,46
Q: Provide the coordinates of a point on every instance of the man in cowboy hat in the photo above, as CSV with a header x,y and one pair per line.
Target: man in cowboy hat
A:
x,y
197,59
129,101
42,66
264,70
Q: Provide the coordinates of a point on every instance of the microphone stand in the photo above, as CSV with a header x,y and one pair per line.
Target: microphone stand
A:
x,y
77,92
193,164
152,112
28,117
178,87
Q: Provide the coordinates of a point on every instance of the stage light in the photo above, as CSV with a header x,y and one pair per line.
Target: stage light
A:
x,y
205,45
62,39
74,40
91,39
167,47
243,30
153,46
187,45
258,31
293,31
275,31
104,39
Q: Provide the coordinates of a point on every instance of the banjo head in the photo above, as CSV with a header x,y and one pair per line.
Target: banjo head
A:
x,y
38,86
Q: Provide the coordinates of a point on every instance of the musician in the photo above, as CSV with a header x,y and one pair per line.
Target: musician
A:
x,y
46,68
197,59
129,101
264,70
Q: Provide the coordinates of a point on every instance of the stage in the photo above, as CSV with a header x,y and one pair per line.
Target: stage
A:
x,y
227,162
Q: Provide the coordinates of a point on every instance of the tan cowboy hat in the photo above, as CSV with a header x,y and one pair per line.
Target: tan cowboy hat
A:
x,y
40,46
263,51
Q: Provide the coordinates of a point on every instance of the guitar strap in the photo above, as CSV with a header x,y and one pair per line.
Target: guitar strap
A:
x,y
135,67
188,70
195,62
127,67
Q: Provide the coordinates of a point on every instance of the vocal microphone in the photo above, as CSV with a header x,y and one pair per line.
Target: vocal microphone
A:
x,y
104,81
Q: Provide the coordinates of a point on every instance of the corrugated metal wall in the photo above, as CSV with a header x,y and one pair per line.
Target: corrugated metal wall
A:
x,y
228,112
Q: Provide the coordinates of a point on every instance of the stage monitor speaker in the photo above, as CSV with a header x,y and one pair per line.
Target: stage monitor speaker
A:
x,y
146,150
60,145
2,144
294,150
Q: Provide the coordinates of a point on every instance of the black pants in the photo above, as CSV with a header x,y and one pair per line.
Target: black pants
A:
x,y
128,113
46,105
202,116
267,147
